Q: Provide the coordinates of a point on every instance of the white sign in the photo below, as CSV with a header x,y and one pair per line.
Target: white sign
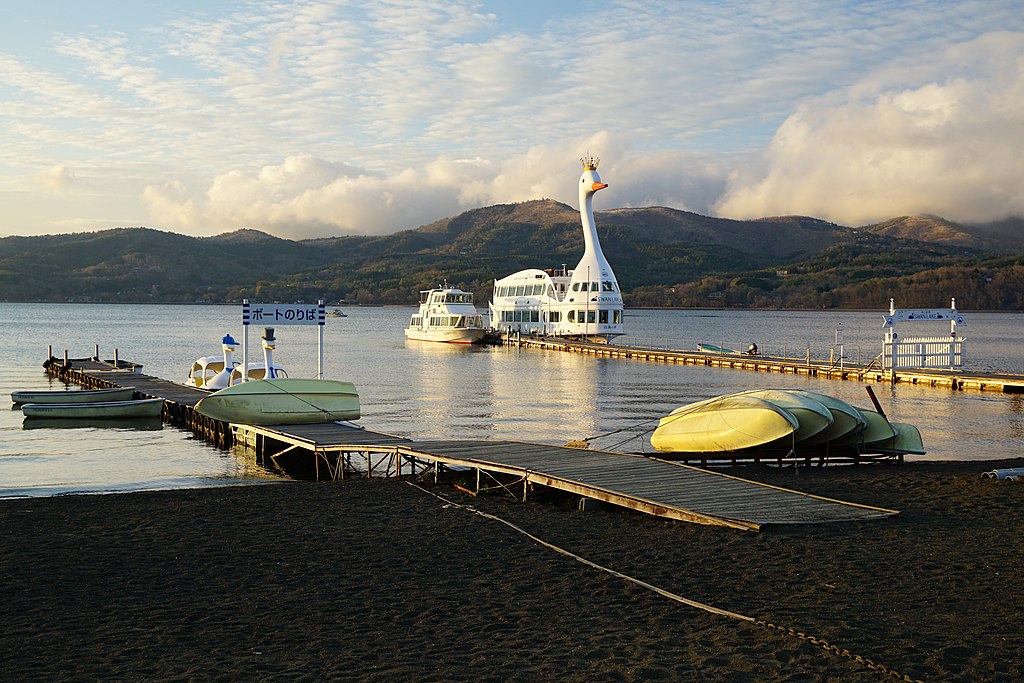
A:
x,y
923,314
273,315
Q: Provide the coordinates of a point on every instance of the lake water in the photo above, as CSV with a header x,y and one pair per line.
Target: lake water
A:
x,y
427,390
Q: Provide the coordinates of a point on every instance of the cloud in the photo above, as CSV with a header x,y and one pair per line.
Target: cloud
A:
x,y
57,179
947,144
304,196
315,117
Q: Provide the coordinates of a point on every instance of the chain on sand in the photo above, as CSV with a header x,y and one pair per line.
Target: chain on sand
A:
x,y
829,647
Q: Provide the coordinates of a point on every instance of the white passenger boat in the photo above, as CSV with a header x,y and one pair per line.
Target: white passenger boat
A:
x,y
83,396
446,314
583,303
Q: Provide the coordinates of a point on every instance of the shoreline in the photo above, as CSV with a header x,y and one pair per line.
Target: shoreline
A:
x,y
377,580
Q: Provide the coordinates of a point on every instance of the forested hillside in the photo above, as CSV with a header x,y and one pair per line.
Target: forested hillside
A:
x,y
662,257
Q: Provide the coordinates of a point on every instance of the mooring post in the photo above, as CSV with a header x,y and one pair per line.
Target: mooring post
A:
x,y
96,352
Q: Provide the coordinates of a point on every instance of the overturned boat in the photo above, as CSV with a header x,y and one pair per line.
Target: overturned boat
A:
x,y
783,422
283,401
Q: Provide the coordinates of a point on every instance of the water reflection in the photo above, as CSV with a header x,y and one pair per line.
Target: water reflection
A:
x,y
429,391
133,425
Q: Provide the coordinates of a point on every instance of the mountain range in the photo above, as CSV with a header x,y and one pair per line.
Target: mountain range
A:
x,y
661,256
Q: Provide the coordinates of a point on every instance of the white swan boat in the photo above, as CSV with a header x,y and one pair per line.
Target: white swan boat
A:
x,y
218,372
583,303
446,314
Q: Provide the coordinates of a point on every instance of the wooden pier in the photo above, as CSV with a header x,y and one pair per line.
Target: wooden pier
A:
x,y
656,487
338,450
948,379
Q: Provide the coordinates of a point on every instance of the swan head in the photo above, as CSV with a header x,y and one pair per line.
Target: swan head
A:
x,y
590,181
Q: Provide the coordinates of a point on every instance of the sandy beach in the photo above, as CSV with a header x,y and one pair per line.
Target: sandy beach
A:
x,y
379,580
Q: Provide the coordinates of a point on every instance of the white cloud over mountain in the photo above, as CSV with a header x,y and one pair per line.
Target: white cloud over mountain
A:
x,y
318,117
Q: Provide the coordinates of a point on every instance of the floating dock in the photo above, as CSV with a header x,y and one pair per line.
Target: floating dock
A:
x,y
337,450
948,379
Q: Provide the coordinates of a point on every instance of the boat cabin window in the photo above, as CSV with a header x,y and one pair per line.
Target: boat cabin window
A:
x,y
594,287
608,286
555,316
575,286
572,316
617,318
416,321
520,316
602,317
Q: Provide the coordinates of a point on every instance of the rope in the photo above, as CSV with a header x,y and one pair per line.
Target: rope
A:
x,y
789,631
296,396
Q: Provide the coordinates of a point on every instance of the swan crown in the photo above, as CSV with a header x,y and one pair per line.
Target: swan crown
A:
x,y
589,162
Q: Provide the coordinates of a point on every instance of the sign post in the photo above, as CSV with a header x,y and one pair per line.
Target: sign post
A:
x,y
283,314
922,352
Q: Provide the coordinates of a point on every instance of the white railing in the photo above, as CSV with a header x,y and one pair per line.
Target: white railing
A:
x,y
923,352
795,353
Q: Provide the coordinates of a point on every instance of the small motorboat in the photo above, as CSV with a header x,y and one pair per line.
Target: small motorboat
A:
x,y
105,410
712,348
83,396
283,401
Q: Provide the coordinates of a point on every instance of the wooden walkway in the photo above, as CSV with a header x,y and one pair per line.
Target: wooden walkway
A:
x,y
652,486
948,379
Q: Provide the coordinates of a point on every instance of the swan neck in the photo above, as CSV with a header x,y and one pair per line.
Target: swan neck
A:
x,y
590,242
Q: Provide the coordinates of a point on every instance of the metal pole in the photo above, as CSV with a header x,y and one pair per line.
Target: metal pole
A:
x,y
320,340
245,341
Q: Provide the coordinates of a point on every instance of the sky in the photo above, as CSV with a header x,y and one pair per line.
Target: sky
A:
x,y
322,118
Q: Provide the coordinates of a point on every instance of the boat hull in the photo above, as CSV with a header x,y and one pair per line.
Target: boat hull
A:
x,y
846,419
105,410
812,415
283,401
726,424
65,397
445,335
